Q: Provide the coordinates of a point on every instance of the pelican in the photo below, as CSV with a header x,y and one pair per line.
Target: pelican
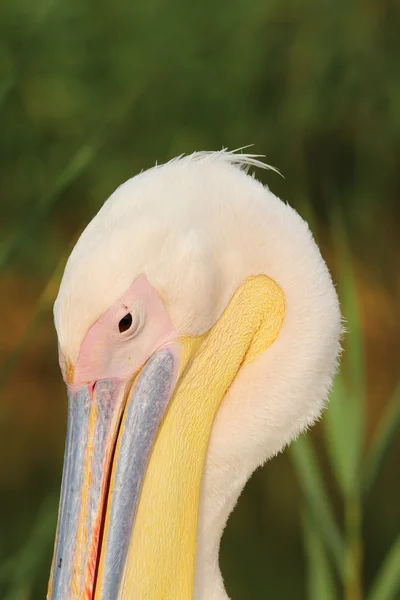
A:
x,y
198,331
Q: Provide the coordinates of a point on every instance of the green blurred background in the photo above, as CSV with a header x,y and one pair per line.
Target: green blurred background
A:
x,y
93,92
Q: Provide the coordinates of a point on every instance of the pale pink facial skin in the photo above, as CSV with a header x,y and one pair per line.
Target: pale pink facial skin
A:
x,y
107,353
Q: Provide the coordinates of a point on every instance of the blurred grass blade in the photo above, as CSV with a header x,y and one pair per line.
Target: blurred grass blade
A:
x,y
320,578
344,419
349,431
386,430
354,341
77,165
72,171
18,573
317,502
387,582
338,434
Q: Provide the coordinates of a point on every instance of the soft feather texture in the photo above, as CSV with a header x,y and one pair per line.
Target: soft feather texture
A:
x,y
197,227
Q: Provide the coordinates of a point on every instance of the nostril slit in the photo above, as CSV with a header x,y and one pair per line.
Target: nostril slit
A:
x,y
125,323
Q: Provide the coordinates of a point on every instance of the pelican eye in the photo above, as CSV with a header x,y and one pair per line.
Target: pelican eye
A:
x,y
125,323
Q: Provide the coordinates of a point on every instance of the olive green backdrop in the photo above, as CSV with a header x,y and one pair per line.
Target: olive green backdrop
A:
x,y
91,92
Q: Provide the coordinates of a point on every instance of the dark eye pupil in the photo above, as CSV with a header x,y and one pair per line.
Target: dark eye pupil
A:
x,y
125,323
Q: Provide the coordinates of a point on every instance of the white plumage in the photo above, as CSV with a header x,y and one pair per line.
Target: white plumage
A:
x,y
197,227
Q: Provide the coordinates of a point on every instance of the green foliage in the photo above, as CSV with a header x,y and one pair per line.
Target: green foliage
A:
x,y
311,83
384,435
92,92
387,583
355,472
321,584
305,461
18,573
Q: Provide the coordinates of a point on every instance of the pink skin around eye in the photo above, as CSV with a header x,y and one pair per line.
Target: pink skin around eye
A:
x,y
107,353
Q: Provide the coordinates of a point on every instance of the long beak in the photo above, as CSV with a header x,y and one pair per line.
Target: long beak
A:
x,y
94,418
135,456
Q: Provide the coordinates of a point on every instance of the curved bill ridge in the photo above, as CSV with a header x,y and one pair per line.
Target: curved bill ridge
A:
x,y
142,418
89,556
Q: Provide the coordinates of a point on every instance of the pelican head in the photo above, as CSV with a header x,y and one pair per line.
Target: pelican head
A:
x,y
198,332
